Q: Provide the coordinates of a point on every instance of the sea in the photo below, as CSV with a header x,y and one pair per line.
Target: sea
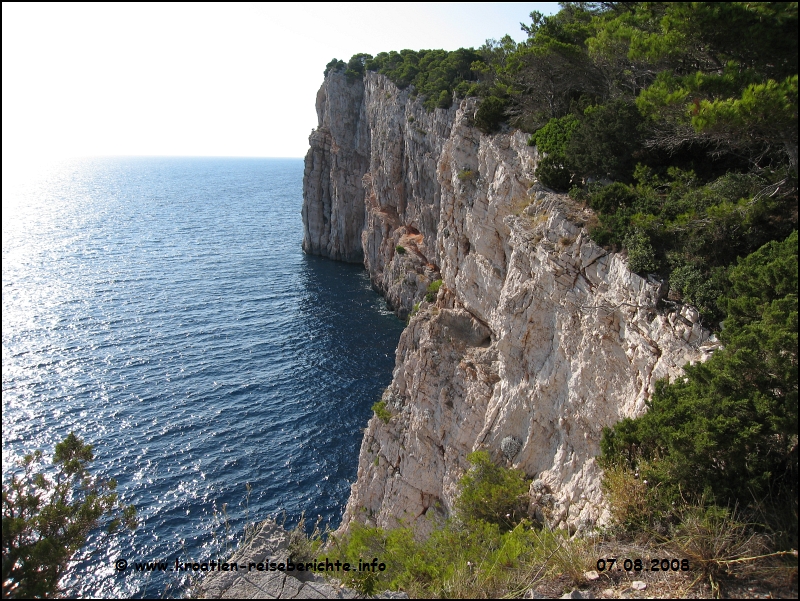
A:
x,y
162,310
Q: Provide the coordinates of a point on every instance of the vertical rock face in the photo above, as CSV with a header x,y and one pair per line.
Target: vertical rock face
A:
x,y
370,188
537,340
333,195
402,192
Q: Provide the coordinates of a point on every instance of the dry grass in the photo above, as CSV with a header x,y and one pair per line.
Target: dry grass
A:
x,y
540,219
627,497
304,547
519,204
768,577
724,547
554,560
708,551
592,221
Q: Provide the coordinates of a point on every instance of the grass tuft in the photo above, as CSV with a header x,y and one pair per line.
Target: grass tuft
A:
x,y
382,412
433,290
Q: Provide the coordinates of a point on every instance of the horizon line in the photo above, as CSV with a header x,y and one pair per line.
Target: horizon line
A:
x,y
178,156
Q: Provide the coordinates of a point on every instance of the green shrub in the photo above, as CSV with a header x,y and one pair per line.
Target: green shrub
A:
x,y
433,290
335,66
553,173
611,229
727,431
490,114
466,174
610,198
363,543
47,518
606,140
382,412
641,256
355,66
492,494
401,250
551,140
698,289
702,226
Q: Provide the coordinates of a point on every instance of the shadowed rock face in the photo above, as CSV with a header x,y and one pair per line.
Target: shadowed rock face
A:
x,y
338,157
537,334
461,326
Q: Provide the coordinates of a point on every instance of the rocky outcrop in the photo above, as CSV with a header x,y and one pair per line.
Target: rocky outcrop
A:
x,y
538,337
247,575
263,569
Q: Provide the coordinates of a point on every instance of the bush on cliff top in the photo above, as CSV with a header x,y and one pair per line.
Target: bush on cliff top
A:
x,y
491,114
657,98
687,231
434,74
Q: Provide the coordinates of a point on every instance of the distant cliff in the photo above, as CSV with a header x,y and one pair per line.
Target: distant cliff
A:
x,y
537,339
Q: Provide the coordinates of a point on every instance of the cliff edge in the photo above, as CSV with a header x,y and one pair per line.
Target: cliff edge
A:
x,y
537,339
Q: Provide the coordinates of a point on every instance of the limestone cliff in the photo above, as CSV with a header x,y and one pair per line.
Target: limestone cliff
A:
x,y
538,337
371,184
333,195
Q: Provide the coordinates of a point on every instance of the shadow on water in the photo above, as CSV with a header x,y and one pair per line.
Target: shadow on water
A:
x,y
351,336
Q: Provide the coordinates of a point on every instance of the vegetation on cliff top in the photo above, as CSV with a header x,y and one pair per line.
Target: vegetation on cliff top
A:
x,y
677,124
468,556
434,74
492,547
690,108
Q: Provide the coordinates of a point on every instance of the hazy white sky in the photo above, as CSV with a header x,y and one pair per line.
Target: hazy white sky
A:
x,y
201,79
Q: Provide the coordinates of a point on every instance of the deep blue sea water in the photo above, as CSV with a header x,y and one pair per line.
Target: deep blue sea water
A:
x,y
162,309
